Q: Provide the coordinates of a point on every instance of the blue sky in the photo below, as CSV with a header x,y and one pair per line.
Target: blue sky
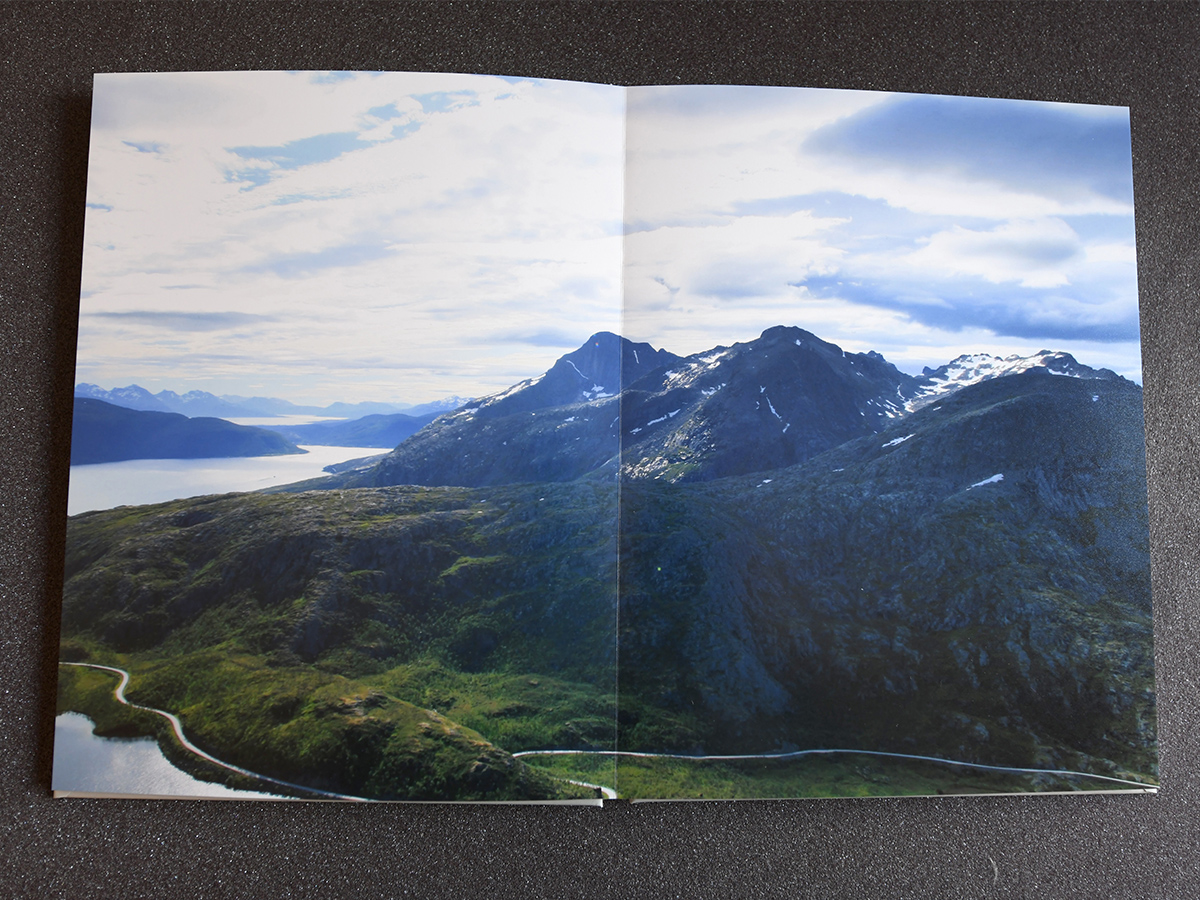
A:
x,y
401,236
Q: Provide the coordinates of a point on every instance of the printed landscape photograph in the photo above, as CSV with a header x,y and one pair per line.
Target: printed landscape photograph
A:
x,y
468,438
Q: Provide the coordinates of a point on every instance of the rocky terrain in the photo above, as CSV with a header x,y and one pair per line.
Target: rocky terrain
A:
x,y
972,583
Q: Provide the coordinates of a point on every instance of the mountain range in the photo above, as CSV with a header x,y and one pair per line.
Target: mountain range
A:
x,y
613,405
791,545
202,403
384,431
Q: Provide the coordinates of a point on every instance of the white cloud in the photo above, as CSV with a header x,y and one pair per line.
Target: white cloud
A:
x,y
1037,253
746,257
443,217
503,204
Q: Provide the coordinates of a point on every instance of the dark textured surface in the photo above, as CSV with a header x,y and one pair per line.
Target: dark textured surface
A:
x,y
1144,56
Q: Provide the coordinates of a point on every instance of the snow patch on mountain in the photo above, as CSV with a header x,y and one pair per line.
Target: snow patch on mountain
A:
x,y
508,392
695,368
972,368
993,480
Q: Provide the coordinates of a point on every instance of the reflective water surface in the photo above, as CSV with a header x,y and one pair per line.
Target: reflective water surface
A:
x,y
85,762
133,482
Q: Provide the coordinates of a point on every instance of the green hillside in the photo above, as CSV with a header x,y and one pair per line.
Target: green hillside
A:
x,y
329,638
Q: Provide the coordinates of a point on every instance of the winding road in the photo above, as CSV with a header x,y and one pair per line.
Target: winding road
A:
x,y
796,754
607,792
119,694
177,726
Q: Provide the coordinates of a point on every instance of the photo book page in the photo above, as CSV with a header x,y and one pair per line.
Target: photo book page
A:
x,y
470,438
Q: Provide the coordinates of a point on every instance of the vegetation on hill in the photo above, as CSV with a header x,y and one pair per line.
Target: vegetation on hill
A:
x,y
375,642
895,595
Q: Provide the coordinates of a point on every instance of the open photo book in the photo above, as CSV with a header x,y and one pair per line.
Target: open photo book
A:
x,y
471,438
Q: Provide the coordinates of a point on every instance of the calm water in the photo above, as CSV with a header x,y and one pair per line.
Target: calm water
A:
x,y
84,762
133,482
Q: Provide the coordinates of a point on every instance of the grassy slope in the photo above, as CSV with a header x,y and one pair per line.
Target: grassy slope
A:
x,y
316,729
359,642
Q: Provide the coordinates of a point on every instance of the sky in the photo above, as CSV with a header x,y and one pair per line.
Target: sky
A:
x,y
922,227
405,237
326,237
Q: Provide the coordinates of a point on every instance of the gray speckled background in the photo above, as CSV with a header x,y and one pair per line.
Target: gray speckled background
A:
x,y
1144,56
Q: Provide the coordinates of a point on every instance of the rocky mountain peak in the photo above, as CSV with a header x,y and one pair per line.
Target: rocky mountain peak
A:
x,y
600,369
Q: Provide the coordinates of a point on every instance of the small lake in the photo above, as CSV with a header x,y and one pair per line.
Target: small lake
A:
x,y
133,482
85,762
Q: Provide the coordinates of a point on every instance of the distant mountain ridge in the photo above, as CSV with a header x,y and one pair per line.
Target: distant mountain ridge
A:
x,y
383,431
202,403
614,405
